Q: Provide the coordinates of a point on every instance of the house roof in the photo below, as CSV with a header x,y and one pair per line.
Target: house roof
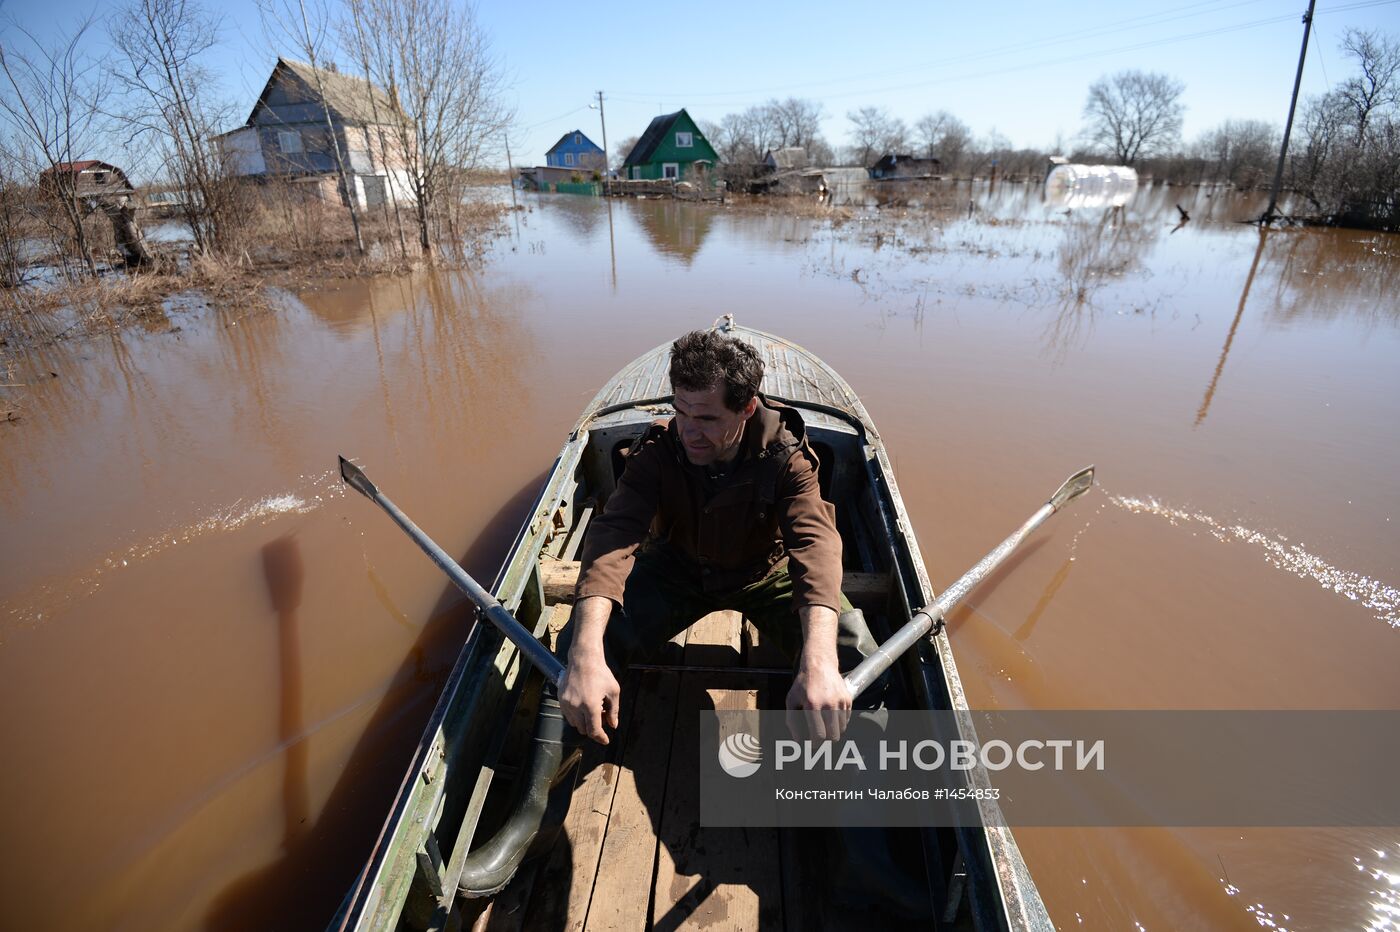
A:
x,y
889,160
81,166
353,99
790,157
653,138
564,140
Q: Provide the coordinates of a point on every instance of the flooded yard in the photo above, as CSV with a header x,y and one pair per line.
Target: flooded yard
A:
x,y
214,664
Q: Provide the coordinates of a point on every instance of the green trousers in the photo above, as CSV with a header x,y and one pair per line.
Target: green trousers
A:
x,y
663,597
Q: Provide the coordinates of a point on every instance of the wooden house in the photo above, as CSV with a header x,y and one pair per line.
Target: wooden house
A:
x,y
286,137
894,166
88,178
671,148
575,150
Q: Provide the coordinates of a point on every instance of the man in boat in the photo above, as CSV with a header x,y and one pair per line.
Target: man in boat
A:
x,y
717,508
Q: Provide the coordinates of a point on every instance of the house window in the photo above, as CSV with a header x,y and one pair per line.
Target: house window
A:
x,y
568,158
289,142
99,177
670,170
685,140
577,140
636,172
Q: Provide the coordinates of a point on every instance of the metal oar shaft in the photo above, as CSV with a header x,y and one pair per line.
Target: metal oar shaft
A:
x,y
535,652
923,621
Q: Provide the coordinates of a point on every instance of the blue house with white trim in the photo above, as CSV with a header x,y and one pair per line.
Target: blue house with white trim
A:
x,y
575,150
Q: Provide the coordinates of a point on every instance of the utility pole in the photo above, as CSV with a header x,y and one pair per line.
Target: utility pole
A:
x,y
1288,127
607,184
510,172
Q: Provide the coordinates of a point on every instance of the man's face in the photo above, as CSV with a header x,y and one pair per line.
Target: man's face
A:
x,y
709,431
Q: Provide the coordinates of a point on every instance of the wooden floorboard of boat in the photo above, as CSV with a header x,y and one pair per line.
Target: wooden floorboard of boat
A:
x,y
632,852
711,878
567,880
622,891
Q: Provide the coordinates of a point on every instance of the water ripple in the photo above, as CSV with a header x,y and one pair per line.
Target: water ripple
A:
x,y
1381,599
43,602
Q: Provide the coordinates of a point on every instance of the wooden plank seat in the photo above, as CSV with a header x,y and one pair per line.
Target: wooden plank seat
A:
x,y
865,590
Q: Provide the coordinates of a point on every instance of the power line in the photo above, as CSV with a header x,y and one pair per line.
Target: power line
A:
x,y
1184,37
1317,53
566,113
1135,22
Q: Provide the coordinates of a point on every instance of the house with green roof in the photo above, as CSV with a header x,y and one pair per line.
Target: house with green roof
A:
x,y
671,147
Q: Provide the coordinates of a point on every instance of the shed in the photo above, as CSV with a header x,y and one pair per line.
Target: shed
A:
x,y
671,147
904,166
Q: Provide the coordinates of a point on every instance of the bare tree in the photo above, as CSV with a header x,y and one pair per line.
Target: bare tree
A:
x,y
746,136
308,34
1376,87
1241,151
794,122
743,138
944,137
436,64
160,44
52,101
874,130
1134,113
1349,164
355,39
625,148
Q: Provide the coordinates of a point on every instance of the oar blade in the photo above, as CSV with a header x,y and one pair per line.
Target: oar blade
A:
x,y
356,479
1075,486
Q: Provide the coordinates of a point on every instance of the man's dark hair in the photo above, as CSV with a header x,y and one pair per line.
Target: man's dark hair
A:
x,y
704,359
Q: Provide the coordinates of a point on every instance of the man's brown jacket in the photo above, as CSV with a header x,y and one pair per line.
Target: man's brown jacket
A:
x,y
771,508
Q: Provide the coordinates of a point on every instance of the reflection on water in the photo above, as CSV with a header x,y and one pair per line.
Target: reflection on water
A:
x,y
675,228
234,660
1234,327
1097,248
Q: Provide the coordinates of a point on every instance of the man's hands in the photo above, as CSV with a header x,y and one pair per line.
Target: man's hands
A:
x,y
589,695
819,703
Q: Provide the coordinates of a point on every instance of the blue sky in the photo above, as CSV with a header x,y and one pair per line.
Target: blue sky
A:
x,y
1019,68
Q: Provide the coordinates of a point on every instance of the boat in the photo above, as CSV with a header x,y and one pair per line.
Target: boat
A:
x,y
630,853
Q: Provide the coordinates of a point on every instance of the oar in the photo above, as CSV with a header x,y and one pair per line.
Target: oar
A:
x,y
494,611
924,619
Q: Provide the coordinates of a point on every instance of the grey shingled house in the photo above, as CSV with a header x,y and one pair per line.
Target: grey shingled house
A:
x,y
286,136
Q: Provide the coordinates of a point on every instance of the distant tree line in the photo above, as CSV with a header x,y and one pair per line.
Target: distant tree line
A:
x,y
1344,155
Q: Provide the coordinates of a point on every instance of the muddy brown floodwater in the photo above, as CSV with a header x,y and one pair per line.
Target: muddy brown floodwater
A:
x,y
213,664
